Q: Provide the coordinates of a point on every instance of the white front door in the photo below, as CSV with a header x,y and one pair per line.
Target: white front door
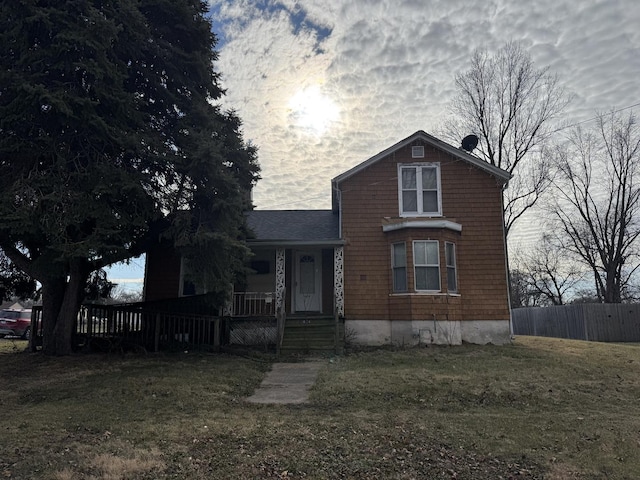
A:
x,y
308,275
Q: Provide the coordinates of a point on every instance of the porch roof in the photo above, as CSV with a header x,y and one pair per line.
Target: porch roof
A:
x,y
294,227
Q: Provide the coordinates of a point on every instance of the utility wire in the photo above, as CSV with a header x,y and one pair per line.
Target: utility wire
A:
x,y
273,207
595,118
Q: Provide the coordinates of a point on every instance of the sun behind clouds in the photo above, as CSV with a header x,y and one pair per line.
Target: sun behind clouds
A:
x,y
312,111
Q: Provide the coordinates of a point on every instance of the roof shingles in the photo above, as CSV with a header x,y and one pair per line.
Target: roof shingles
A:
x,y
303,226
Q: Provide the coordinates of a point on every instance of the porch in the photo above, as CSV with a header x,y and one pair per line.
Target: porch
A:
x,y
253,320
145,326
296,270
300,285
292,281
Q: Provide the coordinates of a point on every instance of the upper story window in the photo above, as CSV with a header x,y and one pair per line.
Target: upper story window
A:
x,y
419,189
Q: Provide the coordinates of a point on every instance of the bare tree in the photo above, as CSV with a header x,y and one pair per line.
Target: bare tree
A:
x,y
120,295
520,292
510,105
598,202
548,274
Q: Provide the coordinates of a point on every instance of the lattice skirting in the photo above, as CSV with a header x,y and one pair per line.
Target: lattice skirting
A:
x,y
253,332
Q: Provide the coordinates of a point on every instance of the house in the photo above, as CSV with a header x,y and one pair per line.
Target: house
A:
x,y
10,305
412,251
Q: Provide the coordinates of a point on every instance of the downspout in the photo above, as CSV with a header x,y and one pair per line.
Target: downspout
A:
x,y
338,195
506,257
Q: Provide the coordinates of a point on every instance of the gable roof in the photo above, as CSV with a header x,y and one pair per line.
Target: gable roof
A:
x,y
294,227
502,175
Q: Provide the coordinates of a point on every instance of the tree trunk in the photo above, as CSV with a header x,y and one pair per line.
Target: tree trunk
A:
x,y
67,312
612,293
53,291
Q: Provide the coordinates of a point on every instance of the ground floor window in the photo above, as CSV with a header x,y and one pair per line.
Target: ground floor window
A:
x,y
427,258
452,274
426,263
399,266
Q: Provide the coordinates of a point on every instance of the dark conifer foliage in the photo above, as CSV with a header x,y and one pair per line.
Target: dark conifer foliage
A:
x,y
14,283
111,137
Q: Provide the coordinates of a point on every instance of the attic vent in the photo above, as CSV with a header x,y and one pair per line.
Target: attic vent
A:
x,y
417,152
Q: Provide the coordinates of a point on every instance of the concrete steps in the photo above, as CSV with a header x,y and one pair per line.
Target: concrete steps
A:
x,y
311,334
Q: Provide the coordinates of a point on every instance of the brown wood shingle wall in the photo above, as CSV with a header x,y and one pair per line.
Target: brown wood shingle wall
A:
x,y
470,197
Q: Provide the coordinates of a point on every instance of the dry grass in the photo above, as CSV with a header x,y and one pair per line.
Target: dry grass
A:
x,y
541,408
112,467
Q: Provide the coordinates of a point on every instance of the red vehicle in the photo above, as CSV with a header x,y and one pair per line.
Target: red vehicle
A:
x,y
16,323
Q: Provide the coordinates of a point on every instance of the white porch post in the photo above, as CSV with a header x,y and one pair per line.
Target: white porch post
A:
x,y
280,281
338,280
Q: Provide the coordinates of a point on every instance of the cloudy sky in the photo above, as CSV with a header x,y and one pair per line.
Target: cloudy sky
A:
x,y
322,85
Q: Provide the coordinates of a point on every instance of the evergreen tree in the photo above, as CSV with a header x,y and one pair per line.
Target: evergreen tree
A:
x,y
111,138
14,283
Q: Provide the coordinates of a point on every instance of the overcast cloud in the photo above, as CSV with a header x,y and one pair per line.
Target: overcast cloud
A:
x,y
384,69
389,67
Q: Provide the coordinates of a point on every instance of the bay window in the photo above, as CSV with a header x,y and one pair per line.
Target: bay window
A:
x,y
450,260
427,274
426,264
399,266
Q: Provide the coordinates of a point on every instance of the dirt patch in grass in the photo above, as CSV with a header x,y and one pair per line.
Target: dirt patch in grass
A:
x,y
107,466
541,408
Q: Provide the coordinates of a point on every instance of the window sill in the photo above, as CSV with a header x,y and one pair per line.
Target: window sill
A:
x,y
424,294
426,223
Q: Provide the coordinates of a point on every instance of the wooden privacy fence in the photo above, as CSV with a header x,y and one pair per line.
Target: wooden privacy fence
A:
x,y
596,322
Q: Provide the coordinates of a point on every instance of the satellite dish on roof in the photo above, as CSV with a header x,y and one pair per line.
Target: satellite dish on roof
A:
x,y
469,143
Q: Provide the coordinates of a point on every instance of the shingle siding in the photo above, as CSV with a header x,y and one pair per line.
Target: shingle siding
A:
x,y
471,197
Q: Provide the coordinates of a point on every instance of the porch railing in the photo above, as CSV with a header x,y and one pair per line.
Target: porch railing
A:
x,y
253,304
252,318
115,327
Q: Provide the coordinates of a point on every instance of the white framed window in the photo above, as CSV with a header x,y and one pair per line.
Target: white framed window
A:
x,y
426,264
419,189
452,273
399,266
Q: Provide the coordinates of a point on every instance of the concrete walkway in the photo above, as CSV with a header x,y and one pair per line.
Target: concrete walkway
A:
x,y
287,383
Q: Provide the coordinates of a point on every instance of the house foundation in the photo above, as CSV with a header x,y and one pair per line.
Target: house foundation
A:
x,y
427,332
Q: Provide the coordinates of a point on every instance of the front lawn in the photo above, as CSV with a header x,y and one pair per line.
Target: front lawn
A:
x,y
540,408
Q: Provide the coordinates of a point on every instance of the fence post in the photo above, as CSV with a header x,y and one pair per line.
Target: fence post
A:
x,y
156,343
216,334
89,321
